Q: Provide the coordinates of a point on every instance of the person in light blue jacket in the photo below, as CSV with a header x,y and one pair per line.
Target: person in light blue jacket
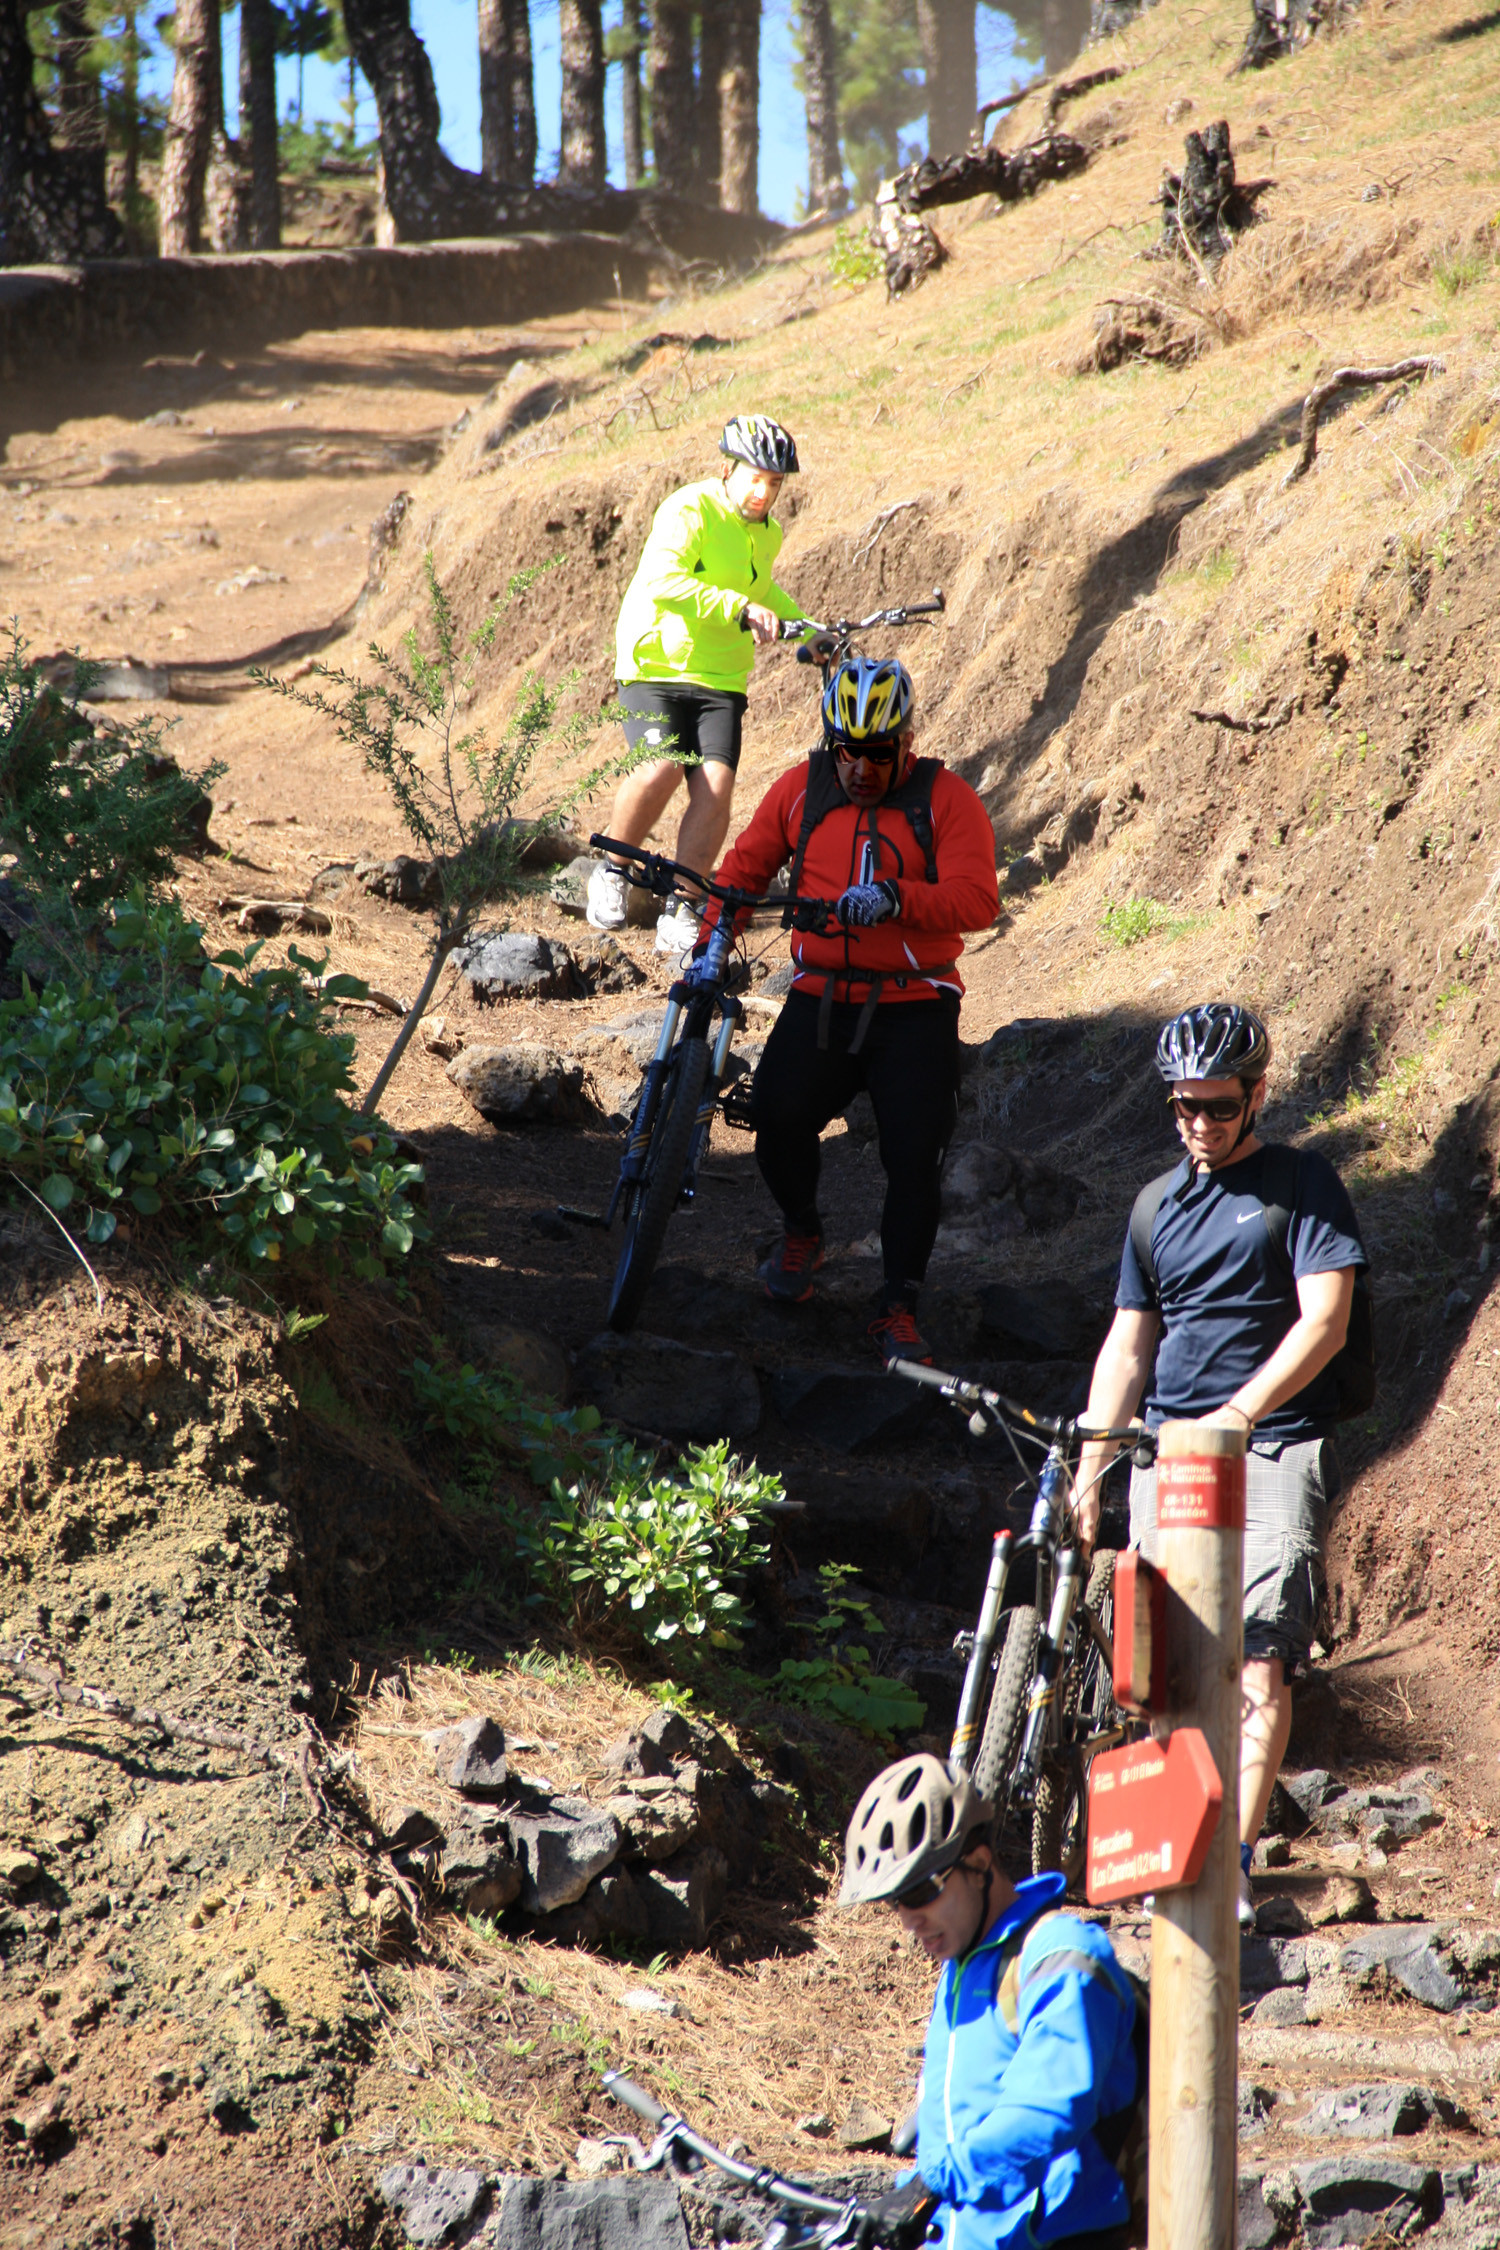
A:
x,y
1030,2067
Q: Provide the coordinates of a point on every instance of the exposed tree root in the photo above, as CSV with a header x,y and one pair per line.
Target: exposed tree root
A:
x,y
1348,379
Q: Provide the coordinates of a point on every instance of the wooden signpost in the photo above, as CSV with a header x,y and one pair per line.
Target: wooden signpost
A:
x,y
1195,1939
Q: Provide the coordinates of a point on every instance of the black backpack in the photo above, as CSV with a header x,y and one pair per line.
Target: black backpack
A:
x,y
825,794
1353,1365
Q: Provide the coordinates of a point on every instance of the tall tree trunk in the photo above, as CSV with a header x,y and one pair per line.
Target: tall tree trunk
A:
x,y
413,169
669,74
53,207
258,120
581,156
496,131
739,108
190,124
631,43
707,140
946,28
80,105
825,170
130,103
1064,28
522,93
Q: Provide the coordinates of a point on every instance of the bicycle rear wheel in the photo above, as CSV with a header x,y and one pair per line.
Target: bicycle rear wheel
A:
x,y
655,1197
1005,1720
1059,1820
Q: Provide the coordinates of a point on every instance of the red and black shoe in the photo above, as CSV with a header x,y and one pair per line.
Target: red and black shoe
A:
x,y
895,1335
789,1275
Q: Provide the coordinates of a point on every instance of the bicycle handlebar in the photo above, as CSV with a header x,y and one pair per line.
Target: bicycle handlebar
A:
x,y
662,875
671,2130
1065,1427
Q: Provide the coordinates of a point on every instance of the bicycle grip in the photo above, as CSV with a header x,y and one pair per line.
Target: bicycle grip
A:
x,y
915,1372
634,2097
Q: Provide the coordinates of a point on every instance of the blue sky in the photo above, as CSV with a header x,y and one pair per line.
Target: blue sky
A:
x,y
448,30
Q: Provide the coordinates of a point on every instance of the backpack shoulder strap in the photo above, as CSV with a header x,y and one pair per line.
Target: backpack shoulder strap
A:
x,y
819,798
914,798
1143,1220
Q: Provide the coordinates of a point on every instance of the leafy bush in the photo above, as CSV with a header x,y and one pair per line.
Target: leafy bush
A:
x,y
1136,919
89,807
456,792
840,1682
616,1544
206,1093
854,259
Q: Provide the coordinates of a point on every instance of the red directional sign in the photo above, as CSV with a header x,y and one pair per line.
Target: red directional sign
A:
x,y
1152,1815
1140,1634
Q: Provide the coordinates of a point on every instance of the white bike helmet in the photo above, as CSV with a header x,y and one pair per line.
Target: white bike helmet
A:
x,y
912,1822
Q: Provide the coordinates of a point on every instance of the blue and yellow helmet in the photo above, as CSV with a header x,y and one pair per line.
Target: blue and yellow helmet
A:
x,y
868,701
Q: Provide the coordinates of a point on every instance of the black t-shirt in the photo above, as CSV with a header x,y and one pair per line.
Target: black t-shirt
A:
x,y
1225,1297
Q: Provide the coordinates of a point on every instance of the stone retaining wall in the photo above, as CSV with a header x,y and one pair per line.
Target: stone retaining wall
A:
x,y
121,308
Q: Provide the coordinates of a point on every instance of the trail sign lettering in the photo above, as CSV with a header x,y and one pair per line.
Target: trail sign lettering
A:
x,y
1152,1815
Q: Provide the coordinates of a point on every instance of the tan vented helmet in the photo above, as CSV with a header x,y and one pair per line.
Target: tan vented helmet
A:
x,y
912,1822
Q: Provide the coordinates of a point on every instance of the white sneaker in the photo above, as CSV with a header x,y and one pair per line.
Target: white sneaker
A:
x,y
677,930
1246,1906
608,897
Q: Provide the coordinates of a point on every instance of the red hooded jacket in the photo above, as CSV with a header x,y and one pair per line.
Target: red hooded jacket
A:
x,y
869,844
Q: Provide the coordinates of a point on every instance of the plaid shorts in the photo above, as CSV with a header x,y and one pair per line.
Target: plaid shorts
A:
x,y
1287,1493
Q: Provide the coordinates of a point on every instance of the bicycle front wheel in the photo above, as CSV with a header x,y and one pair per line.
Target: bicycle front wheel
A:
x,y
1005,1721
655,1198
1059,1821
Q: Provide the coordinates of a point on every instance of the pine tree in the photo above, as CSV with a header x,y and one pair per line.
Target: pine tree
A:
x,y
880,85
258,132
739,108
624,44
950,68
820,75
707,135
669,78
53,207
196,73
581,157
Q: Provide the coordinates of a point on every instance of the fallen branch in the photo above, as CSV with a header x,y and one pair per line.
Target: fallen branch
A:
x,y
876,526
1348,379
147,1721
379,1003
967,384
990,171
1072,89
280,913
1281,718
1009,101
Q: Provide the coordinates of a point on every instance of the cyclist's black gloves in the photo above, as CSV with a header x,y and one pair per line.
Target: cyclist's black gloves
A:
x,y
866,903
900,2220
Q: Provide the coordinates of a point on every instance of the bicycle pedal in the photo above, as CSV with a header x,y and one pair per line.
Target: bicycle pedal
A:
x,y
963,1644
735,1107
582,1218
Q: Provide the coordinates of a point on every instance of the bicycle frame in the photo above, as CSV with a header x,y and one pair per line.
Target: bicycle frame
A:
x,y
698,1007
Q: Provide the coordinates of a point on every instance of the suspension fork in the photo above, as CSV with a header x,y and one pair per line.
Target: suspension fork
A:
x,y
730,1012
1042,1712
633,1163
1048,1513
971,1701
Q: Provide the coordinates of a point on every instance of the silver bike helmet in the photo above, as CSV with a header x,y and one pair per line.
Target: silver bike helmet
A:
x,y
764,444
868,699
1218,1039
912,1822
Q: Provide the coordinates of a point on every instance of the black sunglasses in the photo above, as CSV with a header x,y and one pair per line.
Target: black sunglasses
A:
x,y
1222,1110
883,751
923,1893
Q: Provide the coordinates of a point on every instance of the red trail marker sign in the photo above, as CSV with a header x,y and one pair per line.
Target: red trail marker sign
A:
x,y
1152,1815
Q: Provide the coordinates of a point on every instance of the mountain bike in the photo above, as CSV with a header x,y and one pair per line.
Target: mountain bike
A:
x,y
668,1132
678,2149
1038,1694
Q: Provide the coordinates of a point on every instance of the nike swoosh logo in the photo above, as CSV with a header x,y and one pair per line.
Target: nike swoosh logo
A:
x,y
1244,1215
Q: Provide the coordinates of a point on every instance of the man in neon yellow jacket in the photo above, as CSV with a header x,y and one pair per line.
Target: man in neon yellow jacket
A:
x,y
701,602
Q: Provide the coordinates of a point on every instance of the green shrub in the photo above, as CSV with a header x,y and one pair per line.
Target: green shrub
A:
x,y
854,259
840,1682
1136,919
615,1544
89,807
208,1094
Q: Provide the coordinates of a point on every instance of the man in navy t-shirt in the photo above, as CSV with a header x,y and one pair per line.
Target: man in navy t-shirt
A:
x,y
1237,1337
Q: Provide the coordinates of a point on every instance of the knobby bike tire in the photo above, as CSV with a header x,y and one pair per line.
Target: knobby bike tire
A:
x,y
1059,1819
656,1197
1005,1721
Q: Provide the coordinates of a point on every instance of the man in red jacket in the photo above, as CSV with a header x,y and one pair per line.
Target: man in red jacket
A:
x,y
907,849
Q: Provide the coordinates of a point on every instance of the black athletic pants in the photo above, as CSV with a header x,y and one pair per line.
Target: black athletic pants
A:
x,y
908,1063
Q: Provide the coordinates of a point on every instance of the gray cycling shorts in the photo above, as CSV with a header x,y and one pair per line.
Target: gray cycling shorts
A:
x,y
1287,1494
